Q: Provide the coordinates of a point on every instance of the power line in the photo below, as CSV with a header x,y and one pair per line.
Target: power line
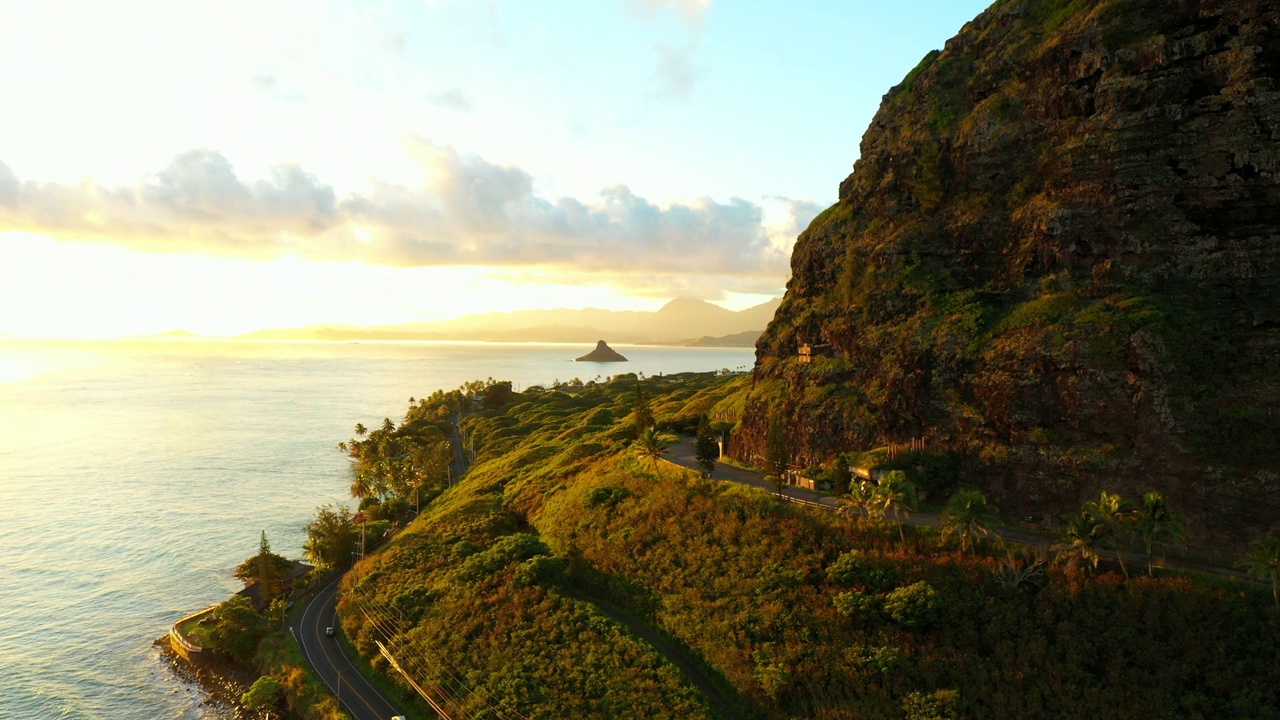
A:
x,y
411,654
382,622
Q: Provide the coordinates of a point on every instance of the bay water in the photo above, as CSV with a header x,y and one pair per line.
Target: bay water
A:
x,y
134,476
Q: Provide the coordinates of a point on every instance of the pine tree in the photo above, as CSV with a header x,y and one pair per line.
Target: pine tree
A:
x,y
642,412
267,580
777,456
705,448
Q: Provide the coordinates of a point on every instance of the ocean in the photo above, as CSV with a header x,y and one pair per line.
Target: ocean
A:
x,y
134,476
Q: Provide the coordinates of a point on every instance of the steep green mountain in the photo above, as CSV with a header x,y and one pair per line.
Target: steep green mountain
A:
x,y
1057,261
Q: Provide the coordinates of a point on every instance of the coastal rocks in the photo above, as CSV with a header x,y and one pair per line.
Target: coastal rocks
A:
x,y
215,686
1058,260
602,353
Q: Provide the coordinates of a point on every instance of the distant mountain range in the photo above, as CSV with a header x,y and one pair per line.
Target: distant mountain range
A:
x,y
683,321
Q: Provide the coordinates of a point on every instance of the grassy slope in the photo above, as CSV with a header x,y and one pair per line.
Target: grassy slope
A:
x,y
744,583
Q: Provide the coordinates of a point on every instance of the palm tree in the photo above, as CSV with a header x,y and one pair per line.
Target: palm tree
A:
x,y
1112,517
1264,561
649,446
897,494
363,484
860,501
967,515
361,430
1156,523
1080,538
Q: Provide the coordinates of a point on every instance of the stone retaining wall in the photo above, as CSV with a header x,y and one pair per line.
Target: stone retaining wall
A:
x,y
182,644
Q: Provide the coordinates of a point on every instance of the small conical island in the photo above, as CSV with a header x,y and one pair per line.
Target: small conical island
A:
x,y
602,353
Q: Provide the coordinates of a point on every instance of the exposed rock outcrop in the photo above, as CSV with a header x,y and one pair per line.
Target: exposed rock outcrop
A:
x,y
602,353
1057,259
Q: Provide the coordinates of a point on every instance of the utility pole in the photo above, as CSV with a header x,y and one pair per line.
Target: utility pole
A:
x,y
363,528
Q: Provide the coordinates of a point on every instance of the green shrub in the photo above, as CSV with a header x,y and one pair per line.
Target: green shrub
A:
x,y
540,570
605,496
509,549
856,606
848,569
914,605
937,705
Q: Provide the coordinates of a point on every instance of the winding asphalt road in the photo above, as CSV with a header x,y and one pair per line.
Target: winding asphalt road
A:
x,y
330,662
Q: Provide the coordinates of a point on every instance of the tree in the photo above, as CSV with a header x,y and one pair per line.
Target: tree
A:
x,y
362,485
235,629
650,446
268,571
840,475
860,501
1264,561
440,459
966,516
1112,517
914,605
1157,523
705,448
331,537
897,494
278,611
641,412
1079,540
264,694
266,568
777,455
361,430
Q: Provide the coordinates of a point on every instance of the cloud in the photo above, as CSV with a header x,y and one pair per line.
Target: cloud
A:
x,y
467,211
790,219
8,186
691,12
675,71
451,99
395,43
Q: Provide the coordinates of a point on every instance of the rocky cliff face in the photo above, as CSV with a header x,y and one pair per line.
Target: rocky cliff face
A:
x,y
1058,260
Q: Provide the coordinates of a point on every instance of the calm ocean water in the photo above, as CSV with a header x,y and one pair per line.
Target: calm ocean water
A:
x,y
134,476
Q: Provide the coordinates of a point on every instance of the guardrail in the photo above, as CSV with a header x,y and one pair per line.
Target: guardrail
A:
x,y
802,501
181,644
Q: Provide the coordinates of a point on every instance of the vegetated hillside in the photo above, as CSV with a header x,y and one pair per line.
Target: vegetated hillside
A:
x,y
1057,260
799,612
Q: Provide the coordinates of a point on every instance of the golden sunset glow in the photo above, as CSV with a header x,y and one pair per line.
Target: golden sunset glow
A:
x,y
219,168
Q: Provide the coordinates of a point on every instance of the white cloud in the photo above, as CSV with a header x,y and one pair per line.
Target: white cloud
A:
x,y
675,71
786,218
451,99
8,186
691,12
466,211
675,68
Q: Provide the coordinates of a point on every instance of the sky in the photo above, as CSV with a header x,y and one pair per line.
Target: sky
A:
x,y
221,167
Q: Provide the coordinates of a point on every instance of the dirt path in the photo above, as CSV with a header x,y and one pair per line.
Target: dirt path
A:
x,y
682,454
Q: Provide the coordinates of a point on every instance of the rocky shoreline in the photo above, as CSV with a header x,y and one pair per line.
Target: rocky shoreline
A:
x,y
222,683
